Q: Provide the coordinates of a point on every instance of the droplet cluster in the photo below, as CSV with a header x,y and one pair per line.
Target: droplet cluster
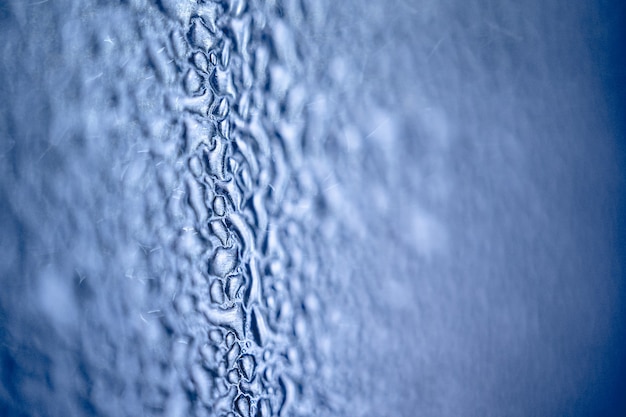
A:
x,y
247,295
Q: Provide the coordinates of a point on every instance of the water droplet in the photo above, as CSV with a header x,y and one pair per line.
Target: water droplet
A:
x,y
231,190
196,133
224,128
217,291
220,111
200,381
230,339
261,64
231,318
233,354
258,327
237,7
233,286
221,81
179,46
200,36
226,52
215,336
196,200
219,205
216,157
244,232
263,408
193,83
233,376
241,31
199,104
195,166
253,295
247,365
224,261
227,397
219,229
221,368
242,404
213,58
210,12
201,62
289,392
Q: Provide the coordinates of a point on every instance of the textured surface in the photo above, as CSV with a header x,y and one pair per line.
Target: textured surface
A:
x,y
302,208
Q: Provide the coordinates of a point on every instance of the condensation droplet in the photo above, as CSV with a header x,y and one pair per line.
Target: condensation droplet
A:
x,y
216,157
200,36
201,62
193,83
231,318
258,327
217,291
233,355
233,376
219,206
247,365
195,166
263,408
215,336
220,111
223,262
237,7
233,285
221,81
219,229
242,404
230,339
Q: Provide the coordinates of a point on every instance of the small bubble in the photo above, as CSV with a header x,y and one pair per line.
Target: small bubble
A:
x,y
217,291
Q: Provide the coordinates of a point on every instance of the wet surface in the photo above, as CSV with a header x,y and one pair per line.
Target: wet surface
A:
x,y
304,208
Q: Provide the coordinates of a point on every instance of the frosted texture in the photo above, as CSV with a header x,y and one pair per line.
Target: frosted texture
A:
x,y
309,208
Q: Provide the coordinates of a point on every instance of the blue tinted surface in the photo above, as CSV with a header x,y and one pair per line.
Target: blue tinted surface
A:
x,y
311,208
